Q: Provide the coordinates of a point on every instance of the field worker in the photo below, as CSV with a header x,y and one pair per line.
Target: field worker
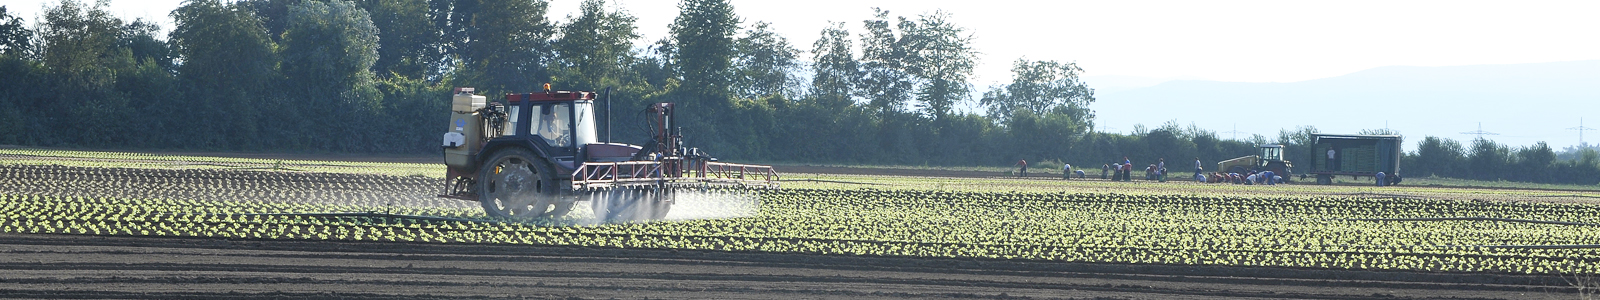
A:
x,y
1104,168
1127,169
1199,177
1116,171
1127,172
1380,176
1333,159
1024,164
1250,180
1066,171
1197,168
1150,172
1161,169
1080,174
1266,177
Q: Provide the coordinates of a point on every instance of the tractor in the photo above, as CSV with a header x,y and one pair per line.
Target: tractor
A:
x,y
1270,158
536,155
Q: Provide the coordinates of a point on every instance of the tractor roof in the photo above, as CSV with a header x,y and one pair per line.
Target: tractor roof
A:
x,y
1355,136
550,96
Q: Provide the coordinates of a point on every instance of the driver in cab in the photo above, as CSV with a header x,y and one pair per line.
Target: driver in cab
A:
x,y
551,129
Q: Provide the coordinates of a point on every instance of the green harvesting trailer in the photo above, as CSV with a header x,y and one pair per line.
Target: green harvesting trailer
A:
x,y
1355,156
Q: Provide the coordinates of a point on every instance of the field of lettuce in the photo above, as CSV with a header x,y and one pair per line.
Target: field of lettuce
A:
x,y
1430,229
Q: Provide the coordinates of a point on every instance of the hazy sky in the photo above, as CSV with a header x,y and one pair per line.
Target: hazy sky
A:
x,y
1253,41
1142,42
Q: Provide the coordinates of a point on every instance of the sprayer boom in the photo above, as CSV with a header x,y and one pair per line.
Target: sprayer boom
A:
x,y
652,174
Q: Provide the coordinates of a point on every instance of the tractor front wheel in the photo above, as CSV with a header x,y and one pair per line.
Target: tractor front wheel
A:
x,y
515,184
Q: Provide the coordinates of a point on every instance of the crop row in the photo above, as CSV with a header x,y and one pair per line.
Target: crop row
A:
x,y
224,185
1313,232
106,159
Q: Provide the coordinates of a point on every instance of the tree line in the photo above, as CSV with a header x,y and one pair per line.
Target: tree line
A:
x,y
374,76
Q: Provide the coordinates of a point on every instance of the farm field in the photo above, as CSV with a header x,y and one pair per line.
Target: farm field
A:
x,y
891,235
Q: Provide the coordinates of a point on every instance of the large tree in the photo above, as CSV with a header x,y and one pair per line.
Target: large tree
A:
x,y
141,39
885,82
595,49
15,39
328,53
81,53
1040,87
505,44
927,59
836,71
79,43
409,43
940,54
764,64
1488,160
703,47
1535,163
228,65
1438,156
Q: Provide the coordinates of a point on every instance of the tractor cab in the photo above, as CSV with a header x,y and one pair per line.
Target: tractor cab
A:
x,y
557,122
1271,153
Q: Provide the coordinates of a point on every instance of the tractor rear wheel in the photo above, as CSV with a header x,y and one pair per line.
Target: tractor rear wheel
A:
x,y
515,184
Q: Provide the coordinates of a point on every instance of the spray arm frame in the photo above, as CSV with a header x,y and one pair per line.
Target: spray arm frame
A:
x,y
593,176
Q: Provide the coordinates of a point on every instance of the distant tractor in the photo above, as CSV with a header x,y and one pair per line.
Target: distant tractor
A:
x,y
537,154
1269,158
1356,156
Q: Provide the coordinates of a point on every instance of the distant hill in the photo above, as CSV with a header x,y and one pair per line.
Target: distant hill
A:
x,y
1524,103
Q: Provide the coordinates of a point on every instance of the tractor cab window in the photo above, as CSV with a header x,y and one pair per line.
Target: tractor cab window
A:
x,y
512,113
583,117
1272,153
553,123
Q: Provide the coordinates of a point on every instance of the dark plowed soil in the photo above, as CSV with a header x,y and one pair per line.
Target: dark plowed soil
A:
x,y
69,266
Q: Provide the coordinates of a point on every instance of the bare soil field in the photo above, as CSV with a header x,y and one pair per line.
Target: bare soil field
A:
x,y
85,267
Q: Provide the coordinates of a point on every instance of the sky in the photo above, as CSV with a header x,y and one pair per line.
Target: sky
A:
x,y
1129,44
